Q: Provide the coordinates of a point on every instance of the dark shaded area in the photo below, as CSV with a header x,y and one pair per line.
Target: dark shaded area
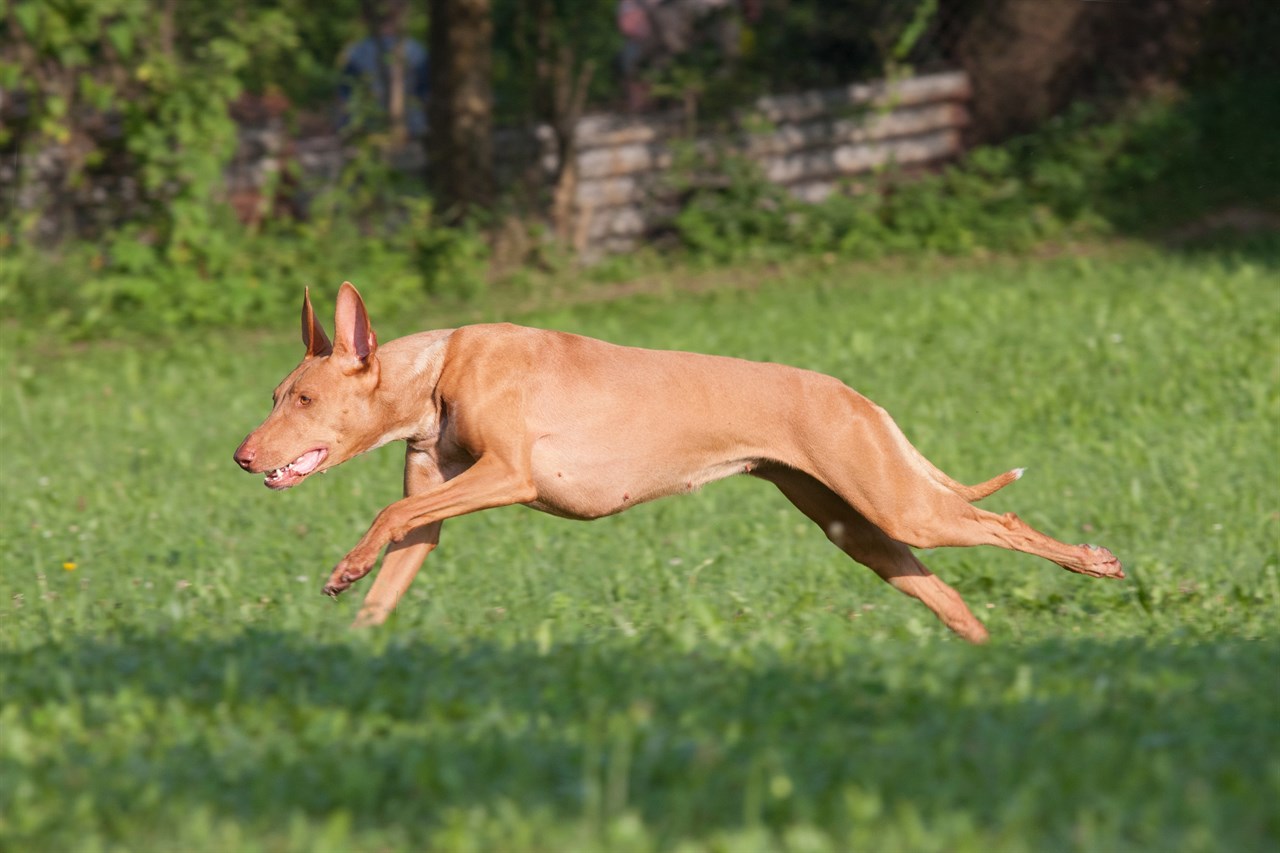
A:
x,y
1159,742
1172,168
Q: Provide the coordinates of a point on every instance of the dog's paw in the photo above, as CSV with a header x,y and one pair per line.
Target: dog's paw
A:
x,y
333,589
1099,563
347,572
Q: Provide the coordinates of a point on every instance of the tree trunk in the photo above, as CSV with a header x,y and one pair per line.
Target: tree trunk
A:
x,y
460,141
1015,51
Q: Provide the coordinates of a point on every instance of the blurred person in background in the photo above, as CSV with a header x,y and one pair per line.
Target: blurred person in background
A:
x,y
656,32
385,78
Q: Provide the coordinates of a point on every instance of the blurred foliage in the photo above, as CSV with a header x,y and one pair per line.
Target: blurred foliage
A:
x,y
126,86
89,291
139,91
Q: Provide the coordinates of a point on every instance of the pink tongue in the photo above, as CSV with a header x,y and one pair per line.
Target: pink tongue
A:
x,y
305,463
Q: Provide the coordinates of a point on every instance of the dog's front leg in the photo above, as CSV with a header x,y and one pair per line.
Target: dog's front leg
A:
x,y
490,482
399,567
403,559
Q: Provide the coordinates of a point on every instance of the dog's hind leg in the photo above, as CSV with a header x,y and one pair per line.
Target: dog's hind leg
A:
x,y
900,492
893,561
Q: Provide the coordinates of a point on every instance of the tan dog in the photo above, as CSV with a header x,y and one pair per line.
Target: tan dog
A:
x,y
500,414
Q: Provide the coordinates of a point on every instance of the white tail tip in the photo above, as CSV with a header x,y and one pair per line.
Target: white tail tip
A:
x,y
1018,472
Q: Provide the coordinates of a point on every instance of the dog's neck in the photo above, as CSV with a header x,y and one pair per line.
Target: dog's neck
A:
x,y
410,369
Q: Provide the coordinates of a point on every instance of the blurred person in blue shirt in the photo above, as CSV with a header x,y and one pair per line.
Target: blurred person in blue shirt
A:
x,y
370,68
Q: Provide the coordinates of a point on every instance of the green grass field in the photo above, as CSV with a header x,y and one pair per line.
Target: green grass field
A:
x,y
703,673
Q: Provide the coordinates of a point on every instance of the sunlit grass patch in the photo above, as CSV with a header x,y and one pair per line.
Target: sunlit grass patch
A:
x,y
700,673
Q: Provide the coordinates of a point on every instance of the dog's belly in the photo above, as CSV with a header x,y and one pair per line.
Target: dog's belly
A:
x,y
571,486
621,427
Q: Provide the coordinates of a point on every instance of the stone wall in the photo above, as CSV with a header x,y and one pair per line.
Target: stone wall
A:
x,y
812,143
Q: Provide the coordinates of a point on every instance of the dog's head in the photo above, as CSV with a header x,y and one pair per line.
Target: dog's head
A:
x,y
325,411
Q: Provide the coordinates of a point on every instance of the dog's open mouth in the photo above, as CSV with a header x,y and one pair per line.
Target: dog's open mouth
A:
x,y
295,471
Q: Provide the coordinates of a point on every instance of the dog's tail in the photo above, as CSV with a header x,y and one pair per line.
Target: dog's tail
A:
x,y
982,490
969,493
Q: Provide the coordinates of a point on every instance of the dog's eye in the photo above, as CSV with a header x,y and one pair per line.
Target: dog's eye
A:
x,y
304,400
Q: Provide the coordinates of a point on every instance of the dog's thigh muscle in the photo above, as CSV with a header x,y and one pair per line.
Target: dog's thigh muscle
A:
x,y
893,561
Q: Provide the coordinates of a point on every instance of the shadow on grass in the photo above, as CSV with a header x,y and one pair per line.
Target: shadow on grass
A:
x,y
1157,743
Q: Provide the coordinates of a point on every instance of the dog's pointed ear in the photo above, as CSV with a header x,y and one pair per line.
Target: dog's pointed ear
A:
x,y
354,339
313,336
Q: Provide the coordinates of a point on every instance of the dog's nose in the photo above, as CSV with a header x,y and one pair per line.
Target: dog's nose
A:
x,y
244,455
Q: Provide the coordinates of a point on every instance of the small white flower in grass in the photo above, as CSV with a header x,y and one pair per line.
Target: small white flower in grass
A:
x,y
1117,338
1217,527
302,578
